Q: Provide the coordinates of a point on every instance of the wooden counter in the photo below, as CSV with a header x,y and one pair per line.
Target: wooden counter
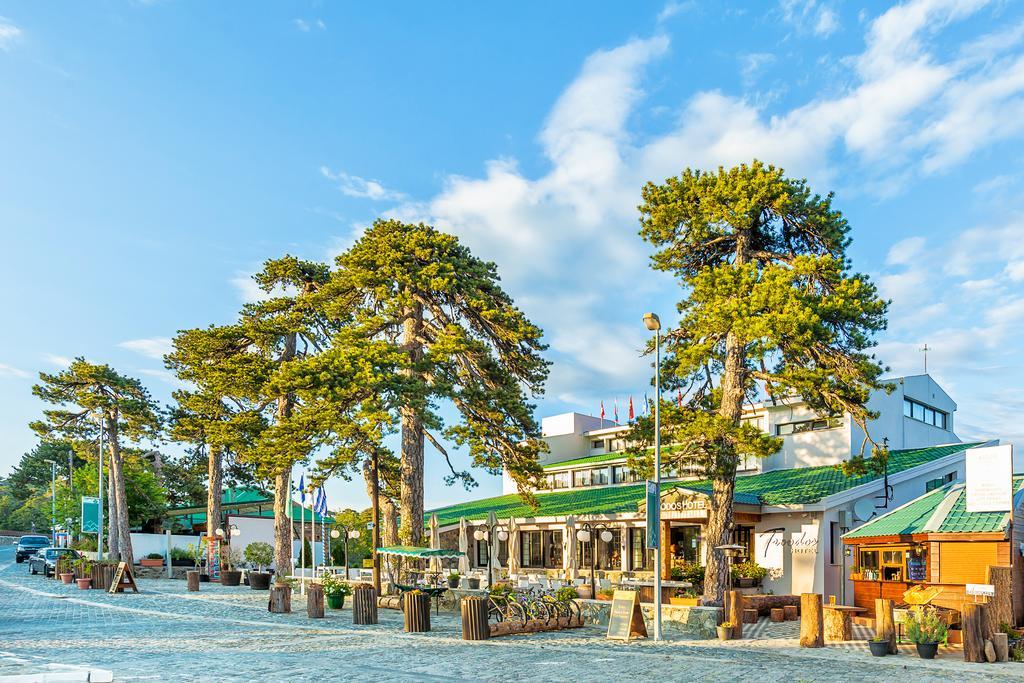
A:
x,y
866,592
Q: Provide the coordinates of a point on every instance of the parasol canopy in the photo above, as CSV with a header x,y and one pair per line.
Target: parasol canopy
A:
x,y
464,547
415,551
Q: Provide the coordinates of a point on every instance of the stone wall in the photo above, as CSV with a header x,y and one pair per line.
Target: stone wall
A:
x,y
677,621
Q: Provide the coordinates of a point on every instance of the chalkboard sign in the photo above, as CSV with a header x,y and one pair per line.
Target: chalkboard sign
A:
x,y
626,620
916,568
122,579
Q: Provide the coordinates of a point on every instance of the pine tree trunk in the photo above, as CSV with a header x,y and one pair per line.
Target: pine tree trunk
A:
x,y
117,469
716,575
282,526
215,472
411,493
388,512
113,538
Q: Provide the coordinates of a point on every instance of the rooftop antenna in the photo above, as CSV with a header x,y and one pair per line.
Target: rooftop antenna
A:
x,y
925,350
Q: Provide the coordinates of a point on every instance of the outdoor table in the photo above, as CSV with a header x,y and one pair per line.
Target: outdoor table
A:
x,y
838,621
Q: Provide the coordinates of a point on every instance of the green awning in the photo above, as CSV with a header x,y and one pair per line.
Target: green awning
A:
x,y
413,551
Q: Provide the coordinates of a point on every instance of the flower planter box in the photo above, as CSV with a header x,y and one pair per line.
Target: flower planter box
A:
x,y
746,582
146,562
182,563
685,602
83,584
68,577
259,581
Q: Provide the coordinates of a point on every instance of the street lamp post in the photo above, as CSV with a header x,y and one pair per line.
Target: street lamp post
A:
x,y
348,533
99,504
588,534
53,502
484,531
653,323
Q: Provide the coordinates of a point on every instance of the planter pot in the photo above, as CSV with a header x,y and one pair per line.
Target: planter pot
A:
x,y
586,592
259,581
927,650
83,584
686,602
474,584
146,562
453,583
230,577
878,648
746,582
204,578
336,601
724,632
67,578
182,563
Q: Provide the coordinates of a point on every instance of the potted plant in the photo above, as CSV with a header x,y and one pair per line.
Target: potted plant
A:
x,y
686,597
474,582
152,560
453,579
566,593
879,646
180,557
231,576
335,590
724,630
67,577
198,551
748,574
259,554
925,629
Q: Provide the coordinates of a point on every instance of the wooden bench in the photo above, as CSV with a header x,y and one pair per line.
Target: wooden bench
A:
x,y
790,612
778,614
749,616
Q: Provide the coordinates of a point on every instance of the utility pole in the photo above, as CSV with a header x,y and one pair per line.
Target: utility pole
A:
x,y
925,350
53,501
99,531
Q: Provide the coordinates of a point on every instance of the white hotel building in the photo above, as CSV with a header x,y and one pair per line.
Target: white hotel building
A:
x,y
791,508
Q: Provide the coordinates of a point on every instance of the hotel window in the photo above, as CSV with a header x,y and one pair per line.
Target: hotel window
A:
x,y
744,536
941,481
608,554
599,476
639,558
558,480
815,425
754,421
581,478
620,474
483,547
531,553
552,549
598,443
922,413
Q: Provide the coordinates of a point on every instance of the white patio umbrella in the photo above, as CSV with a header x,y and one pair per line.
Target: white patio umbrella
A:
x,y
513,547
435,543
569,559
464,547
492,523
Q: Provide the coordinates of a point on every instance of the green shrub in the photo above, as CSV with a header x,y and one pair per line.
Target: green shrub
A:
x,y
180,554
923,625
748,570
154,556
333,585
566,593
259,554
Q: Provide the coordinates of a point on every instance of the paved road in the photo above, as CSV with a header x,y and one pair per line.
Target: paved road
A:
x,y
225,634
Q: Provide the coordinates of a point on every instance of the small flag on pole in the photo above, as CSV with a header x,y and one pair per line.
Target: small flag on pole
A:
x,y
647,405
302,489
679,397
631,416
602,410
616,414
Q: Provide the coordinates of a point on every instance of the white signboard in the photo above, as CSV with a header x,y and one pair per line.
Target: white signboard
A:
x,y
986,589
990,479
769,551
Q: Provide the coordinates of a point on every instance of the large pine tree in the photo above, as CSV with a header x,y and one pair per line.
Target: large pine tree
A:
x,y
771,308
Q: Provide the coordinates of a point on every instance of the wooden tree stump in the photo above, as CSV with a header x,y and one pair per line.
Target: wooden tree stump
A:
x,y
1000,606
838,625
885,623
734,602
193,580
811,627
778,614
417,612
280,601
973,624
790,612
750,616
315,601
364,606
474,619
1001,643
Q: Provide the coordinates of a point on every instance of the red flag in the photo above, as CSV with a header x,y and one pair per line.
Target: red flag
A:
x,y
630,408
602,410
616,401
680,397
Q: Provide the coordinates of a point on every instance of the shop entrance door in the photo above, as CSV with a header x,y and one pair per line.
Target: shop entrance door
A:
x,y
686,543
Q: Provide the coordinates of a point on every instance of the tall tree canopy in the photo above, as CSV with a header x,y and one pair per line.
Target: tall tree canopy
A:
x,y
770,308
88,396
464,341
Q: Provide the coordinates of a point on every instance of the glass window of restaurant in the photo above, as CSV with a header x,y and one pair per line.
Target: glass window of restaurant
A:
x,y
686,543
558,480
609,554
599,476
540,549
483,548
639,558
581,478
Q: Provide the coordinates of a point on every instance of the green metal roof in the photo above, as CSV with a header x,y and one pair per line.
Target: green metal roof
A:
x,y
780,487
913,517
190,519
230,497
588,460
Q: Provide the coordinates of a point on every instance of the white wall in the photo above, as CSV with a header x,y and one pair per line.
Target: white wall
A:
x,y
262,529
809,449
798,562
904,432
144,544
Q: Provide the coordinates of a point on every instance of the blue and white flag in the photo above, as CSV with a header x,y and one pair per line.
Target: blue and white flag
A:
x,y
302,489
320,506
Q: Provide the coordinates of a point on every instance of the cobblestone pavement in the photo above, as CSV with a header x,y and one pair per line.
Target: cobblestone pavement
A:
x,y
226,634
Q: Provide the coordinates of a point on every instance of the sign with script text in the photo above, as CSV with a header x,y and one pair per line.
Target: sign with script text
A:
x,y
625,620
990,479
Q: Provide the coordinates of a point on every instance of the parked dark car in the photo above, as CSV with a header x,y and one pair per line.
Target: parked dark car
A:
x,y
28,546
45,560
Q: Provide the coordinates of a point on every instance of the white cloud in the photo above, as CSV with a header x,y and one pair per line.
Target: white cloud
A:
x,y
157,347
249,291
674,7
9,34
354,186
307,26
11,371
62,361
905,251
810,16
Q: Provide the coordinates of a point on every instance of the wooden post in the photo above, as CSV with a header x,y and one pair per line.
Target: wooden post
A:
x,y
1000,606
417,612
811,627
315,601
790,612
735,613
973,618
280,601
838,625
750,616
193,580
666,551
364,606
885,623
474,619
1001,643
778,614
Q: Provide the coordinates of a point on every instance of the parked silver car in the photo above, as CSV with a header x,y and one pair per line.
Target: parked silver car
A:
x,y
45,560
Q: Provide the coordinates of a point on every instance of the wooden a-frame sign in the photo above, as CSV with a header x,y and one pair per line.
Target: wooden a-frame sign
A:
x,y
122,579
625,620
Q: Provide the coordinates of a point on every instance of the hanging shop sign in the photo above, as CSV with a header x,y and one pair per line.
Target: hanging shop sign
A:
x,y
653,520
985,589
90,515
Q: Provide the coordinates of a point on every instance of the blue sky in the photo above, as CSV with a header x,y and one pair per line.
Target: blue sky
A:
x,y
153,154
